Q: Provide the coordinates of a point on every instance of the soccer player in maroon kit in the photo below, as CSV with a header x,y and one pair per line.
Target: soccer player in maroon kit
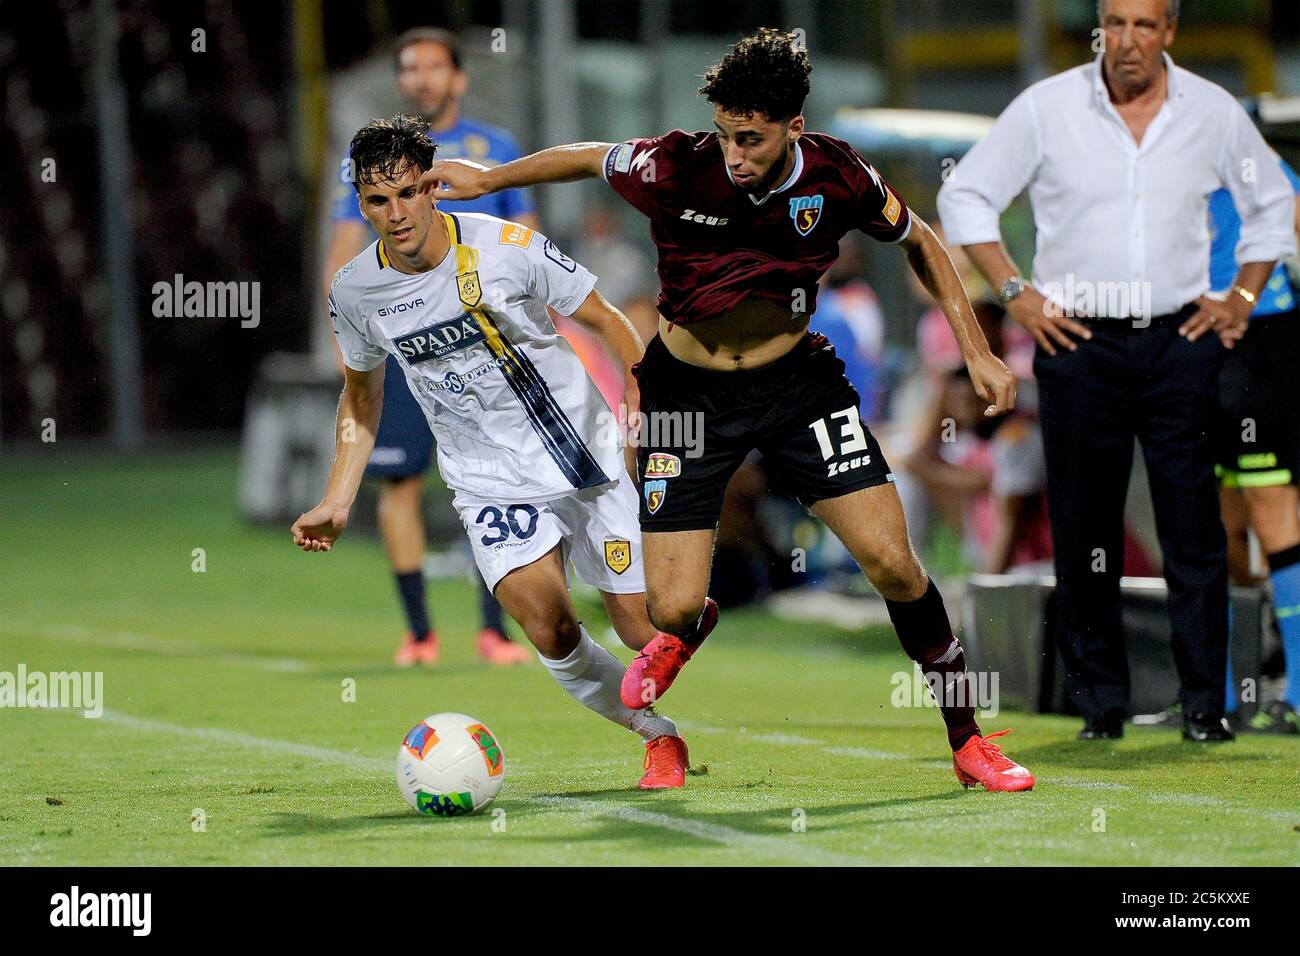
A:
x,y
746,219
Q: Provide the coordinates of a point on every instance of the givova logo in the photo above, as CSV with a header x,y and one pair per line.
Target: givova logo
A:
x,y
103,909
437,341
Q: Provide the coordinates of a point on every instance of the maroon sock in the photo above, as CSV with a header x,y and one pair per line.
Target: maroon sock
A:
x,y
927,637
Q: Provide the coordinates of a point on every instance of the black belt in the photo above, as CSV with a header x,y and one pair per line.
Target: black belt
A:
x,y
1137,324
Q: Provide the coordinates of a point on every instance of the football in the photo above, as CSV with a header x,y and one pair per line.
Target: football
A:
x,y
450,765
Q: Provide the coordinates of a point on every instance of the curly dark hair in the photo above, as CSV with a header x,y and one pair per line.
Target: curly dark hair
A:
x,y
384,148
766,72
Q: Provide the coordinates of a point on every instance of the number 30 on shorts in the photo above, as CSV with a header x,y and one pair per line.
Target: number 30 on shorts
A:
x,y
506,523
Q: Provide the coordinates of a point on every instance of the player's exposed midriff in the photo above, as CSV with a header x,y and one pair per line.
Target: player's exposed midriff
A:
x,y
754,333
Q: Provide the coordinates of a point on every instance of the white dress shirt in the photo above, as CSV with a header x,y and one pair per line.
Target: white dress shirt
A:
x,y
1122,228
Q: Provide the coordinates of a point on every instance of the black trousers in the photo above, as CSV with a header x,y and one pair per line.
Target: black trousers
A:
x,y
1153,385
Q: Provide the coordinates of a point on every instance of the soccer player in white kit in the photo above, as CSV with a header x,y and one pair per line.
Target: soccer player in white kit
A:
x,y
523,435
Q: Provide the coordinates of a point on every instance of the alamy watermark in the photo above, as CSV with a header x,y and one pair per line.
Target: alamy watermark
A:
x,y
208,300
1083,298
916,688
66,690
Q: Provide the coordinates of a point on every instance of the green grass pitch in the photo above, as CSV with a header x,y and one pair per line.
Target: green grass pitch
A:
x,y
224,695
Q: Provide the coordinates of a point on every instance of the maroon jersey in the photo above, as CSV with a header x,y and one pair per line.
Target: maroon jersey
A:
x,y
718,245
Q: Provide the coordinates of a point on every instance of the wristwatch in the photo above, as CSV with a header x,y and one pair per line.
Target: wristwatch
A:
x,y
1245,294
1010,289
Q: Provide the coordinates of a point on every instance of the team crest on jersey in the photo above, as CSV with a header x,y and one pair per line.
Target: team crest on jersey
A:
x,y
618,554
663,465
805,211
654,494
468,288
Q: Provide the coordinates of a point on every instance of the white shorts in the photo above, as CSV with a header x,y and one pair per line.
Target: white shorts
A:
x,y
597,529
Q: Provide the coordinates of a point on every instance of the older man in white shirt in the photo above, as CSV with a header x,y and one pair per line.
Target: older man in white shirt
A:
x,y
1119,157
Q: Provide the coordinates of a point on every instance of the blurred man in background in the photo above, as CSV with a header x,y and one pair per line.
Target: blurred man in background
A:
x,y
431,81
1119,156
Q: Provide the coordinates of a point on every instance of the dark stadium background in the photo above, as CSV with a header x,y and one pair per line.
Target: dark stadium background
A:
x,y
226,151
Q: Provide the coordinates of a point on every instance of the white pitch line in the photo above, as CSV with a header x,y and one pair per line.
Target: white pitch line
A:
x,y
770,846
1073,783
128,641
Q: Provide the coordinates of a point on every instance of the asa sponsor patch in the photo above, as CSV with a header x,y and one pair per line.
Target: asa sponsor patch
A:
x,y
662,465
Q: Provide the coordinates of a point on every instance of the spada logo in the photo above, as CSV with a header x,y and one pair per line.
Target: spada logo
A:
x,y
439,340
805,211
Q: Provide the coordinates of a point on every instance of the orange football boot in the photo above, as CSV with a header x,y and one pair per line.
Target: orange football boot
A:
x,y
495,649
656,665
981,762
665,763
414,652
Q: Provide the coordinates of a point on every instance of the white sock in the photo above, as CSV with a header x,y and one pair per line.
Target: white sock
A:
x,y
591,675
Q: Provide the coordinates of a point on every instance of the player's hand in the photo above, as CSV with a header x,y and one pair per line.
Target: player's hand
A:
x,y
1042,320
1223,316
455,179
994,383
318,529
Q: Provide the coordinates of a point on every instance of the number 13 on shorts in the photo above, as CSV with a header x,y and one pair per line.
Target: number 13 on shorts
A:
x,y
851,430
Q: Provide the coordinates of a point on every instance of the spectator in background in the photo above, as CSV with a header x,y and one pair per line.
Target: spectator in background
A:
x,y
431,81
991,472
848,313
627,281
1119,156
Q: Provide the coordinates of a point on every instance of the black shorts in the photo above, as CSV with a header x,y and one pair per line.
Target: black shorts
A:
x,y
1258,430
799,411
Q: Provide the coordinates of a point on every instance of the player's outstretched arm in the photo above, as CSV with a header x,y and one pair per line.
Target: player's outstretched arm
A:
x,y
462,179
993,381
360,405
620,336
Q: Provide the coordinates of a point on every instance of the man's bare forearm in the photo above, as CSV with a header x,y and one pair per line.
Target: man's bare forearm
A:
x,y
929,260
993,262
354,439
615,330
1253,275
559,164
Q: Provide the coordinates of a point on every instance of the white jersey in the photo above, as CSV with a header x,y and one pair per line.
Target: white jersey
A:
x,y
511,406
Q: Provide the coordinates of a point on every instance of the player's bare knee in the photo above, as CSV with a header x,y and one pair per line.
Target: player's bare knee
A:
x,y
674,616
554,632
898,577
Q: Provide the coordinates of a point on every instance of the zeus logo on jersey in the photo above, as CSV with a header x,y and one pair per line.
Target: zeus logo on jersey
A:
x,y
691,215
805,211
439,340
401,307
